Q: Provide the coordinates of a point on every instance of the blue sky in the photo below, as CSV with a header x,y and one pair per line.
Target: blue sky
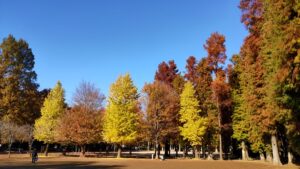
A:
x,y
97,40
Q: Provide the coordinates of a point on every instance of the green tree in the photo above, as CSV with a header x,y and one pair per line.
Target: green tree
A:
x,y
248,99
241,116
53,107
121,116
194,126
19,99
280,50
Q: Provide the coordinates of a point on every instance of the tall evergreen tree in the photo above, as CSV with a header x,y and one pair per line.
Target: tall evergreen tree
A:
x,y
121,116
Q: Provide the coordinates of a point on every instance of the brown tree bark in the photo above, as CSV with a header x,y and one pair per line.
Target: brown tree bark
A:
x,y
244,151
276,159
119,151
82,152
46,150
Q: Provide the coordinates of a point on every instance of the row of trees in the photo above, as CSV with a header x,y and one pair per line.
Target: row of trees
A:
x,y
265,79
252,103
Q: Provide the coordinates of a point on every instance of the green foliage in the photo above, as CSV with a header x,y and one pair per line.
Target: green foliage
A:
x,y
52,109
194,126
240,117
121,118
280,50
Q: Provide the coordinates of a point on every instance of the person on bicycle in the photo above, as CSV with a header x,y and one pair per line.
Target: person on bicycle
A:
x,y
34,156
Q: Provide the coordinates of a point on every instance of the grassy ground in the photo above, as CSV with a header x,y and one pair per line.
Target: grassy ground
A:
x,y
108,163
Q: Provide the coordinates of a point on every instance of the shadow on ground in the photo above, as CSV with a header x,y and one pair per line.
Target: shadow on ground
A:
x,y
61,165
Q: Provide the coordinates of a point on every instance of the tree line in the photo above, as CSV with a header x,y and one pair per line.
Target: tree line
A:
x,y
248,108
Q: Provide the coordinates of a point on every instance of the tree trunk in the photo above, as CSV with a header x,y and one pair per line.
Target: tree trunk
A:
x,y
148,146
185,151
276,159
46,150
290,157
262,156
82,152
196,152
106,150
244,151
220,132
209,153
10,141
130,150
269,157
176,150
9,149
167,147
156,148
119,151
221,150
30,147
203,151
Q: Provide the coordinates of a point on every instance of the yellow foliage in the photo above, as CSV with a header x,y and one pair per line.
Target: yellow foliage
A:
x,y
121,118
194,126
52,108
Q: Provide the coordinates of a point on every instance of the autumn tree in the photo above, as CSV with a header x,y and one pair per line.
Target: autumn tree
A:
x,y
79,126
11,132
252,95
18,87
161,119
82,124
8,133
194,126
280,50
200,74
53,107
215,48
121,116
166,72
169,74
191,70
88,96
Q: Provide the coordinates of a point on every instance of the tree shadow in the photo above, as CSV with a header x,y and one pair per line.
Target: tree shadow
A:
x,y
61,165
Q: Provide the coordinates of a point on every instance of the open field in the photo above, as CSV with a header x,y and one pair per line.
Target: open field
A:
x,y
100,163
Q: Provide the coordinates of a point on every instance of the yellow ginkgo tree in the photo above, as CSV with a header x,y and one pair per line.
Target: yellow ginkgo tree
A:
x,y
121,116
53,107
194,126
